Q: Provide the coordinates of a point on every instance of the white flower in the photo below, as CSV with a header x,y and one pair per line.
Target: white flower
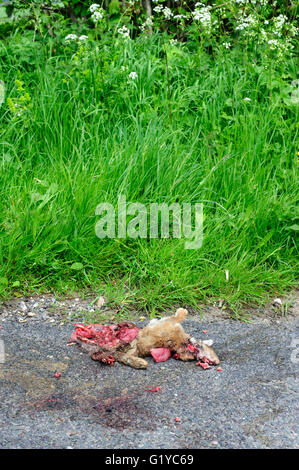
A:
x,y
227,45
133,75
180,17
246,22
167,13
98,15
158,8
273,43
246,99
124,32
203,16
173,42
94,7
147,24
71,37
83,37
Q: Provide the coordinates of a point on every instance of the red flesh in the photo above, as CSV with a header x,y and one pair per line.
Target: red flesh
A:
x,y
160,354
156,389
107,337
204,365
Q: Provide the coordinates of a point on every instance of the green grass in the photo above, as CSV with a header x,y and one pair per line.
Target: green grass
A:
x,y
89,135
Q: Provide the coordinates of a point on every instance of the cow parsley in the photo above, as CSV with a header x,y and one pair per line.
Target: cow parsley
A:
x,y
71,37
203,15
124,32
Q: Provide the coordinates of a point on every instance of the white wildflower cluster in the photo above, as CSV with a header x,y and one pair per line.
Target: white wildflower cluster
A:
x,y
158,8
226,45
73,37
94,7
173,42
167,13
147,24
275,38
180,18
133,75
203,15
280,47
97,12
246,22
281,24
254,2
124,32
273,43
221,12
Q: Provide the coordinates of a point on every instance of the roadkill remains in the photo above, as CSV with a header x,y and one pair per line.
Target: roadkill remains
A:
x,y
127,343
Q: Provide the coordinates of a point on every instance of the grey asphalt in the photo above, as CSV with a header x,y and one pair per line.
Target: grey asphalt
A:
x,y
251,403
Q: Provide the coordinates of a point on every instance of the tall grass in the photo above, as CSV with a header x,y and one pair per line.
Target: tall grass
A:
x,y
91,134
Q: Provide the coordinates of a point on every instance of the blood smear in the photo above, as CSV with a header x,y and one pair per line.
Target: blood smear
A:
x,y
156,389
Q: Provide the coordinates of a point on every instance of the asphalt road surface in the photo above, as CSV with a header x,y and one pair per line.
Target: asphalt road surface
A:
x,y
251,403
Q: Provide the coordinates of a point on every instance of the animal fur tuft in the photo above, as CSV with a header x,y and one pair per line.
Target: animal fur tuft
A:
x,y
180,314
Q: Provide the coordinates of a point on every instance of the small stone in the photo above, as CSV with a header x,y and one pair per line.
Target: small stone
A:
x,y
23,306
31,314
277,302
215,443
